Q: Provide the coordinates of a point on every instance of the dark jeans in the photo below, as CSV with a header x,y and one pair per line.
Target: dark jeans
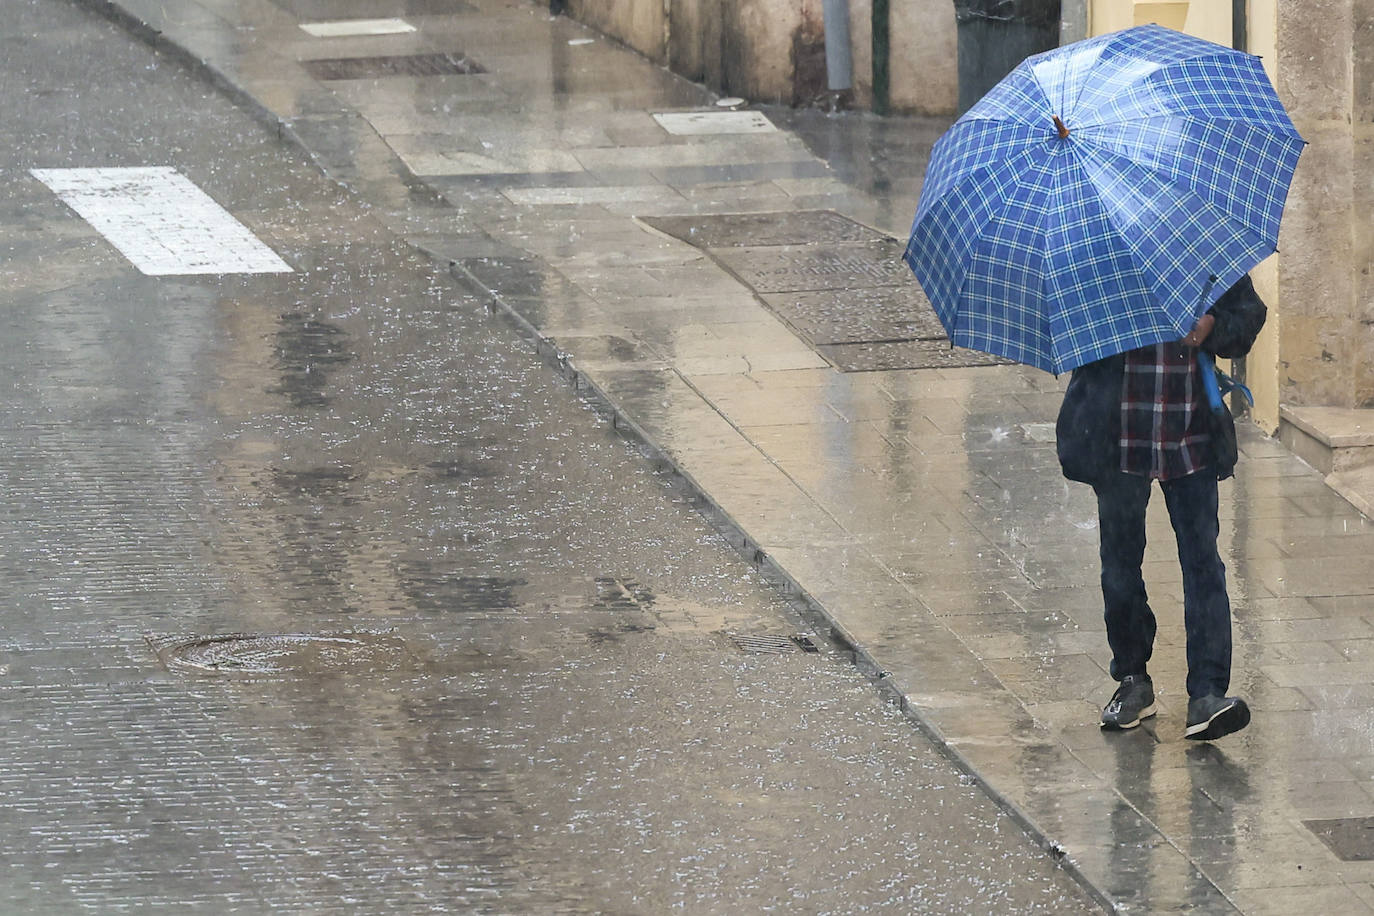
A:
x,y
1192,503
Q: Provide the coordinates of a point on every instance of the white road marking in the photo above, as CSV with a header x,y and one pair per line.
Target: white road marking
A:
x,y
343,28
715,122
161,221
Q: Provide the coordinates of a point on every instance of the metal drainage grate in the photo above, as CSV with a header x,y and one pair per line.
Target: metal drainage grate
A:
x,y
773,645
281,654
839,284
1350,838
366,68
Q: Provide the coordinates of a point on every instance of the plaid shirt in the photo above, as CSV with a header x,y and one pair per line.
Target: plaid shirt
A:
x,y
1163,422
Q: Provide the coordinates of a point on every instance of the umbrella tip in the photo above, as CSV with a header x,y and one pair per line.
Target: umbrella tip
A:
x,y
1063,131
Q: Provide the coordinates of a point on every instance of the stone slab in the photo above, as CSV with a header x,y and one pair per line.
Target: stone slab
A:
x,y
861,315
728,230
884,356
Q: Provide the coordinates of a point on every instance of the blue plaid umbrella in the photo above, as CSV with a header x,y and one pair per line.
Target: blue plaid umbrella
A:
x,y
1102,196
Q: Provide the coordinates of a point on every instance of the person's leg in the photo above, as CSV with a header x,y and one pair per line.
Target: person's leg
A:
x,y
1121,502
1192,503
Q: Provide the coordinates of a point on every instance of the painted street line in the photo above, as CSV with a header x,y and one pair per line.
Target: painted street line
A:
x,y
342,28
161,221
714,122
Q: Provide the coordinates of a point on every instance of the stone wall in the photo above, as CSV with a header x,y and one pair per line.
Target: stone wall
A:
x,y
1325,67
923,65
1362,169
774,50
642,26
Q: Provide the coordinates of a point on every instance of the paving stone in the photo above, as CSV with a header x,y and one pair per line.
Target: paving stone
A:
x,y
908,354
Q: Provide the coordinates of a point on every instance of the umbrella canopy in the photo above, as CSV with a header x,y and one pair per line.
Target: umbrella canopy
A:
x,y
1102,196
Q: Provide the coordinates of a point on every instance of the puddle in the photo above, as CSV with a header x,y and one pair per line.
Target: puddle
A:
x,y
282,654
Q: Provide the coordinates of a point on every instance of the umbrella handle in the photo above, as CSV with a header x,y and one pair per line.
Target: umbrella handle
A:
x,y
1209,379
1217,383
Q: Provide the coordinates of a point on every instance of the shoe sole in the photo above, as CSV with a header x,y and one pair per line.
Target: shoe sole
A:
x,y
1223,722
1145,713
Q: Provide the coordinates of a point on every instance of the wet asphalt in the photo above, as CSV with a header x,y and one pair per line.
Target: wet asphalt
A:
x,y
532,703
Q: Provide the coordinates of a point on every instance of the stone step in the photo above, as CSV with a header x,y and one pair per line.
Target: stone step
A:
x,y
1337,441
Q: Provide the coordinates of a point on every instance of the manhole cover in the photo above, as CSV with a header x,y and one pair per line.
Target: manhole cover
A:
x,y
364,68
1350,838
773,645
282,654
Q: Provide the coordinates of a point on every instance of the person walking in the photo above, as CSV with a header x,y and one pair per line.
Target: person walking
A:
x,y
1143,416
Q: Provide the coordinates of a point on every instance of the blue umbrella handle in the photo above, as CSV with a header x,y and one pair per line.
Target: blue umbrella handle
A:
x,y
1217,383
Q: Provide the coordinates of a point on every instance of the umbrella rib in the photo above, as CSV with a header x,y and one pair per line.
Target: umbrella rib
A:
x,y
1081,126
1019,181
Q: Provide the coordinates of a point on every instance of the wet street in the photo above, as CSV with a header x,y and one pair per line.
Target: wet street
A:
x,y
325,593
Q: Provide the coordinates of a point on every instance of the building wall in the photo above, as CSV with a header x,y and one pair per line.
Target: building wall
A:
x,y
1261,370
1323,50
1362,168
774,50
924,66
642,26
1209,19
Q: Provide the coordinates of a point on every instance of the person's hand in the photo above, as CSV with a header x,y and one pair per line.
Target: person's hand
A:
x,y
1199,332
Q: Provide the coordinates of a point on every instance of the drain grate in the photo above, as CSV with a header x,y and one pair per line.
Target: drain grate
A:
x,y
366,68
772,645
281,654
839,284
1350,838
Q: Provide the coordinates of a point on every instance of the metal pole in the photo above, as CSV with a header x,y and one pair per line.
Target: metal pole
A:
x,y
881,22
839,62
1073,21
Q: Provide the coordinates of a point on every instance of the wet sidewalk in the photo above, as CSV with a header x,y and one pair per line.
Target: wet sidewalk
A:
x,y
734,297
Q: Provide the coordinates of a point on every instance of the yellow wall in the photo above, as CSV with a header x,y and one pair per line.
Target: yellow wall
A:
x,y
1210,19
1262,366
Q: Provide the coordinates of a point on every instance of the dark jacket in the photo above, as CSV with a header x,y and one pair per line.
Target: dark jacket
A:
x,y
1088,431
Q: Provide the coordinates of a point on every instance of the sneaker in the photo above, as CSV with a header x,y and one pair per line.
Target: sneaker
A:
x,y
1134,700
1212,716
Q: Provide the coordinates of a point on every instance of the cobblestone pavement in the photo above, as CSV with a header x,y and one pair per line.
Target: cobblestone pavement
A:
x,y
917,505
474,651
